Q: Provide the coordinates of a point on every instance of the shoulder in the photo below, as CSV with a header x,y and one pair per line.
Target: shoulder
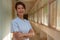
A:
x,y
14,20
27,21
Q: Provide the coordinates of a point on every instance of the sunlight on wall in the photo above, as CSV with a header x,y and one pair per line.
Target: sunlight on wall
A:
x,y
8,37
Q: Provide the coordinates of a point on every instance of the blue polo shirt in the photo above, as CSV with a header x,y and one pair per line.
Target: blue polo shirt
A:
x,y
19,25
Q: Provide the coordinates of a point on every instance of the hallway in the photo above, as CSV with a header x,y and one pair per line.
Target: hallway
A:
x,y
44,16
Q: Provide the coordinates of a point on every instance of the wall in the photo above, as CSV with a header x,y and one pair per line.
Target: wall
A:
x,y
51,33
6,17
0,17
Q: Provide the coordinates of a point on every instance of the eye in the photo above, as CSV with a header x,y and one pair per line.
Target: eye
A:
x,y
22,7
18,8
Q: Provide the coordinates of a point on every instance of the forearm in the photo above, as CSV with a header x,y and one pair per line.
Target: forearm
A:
x,y
29,35
18,35
21,35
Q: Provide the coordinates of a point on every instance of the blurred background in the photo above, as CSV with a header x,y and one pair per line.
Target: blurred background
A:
x,y
44,16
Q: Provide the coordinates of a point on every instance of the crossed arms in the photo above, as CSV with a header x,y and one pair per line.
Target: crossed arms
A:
x,y
21,36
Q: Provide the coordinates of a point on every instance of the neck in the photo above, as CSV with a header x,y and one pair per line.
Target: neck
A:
x,y
21,17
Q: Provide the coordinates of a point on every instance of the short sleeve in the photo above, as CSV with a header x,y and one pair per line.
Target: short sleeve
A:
x,y
14,27
29,25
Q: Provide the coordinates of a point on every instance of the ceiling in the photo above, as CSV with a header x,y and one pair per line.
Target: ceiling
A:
x,y
29,4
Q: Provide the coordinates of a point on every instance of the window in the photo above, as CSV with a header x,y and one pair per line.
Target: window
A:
x,y
53,16
50,1
30,17
58,21
35,17
44,2
58,15
45,15
40,16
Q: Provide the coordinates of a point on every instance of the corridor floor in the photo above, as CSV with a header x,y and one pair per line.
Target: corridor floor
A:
x,y
37,34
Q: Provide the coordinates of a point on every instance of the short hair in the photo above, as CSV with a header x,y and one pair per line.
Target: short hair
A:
x,y
20,3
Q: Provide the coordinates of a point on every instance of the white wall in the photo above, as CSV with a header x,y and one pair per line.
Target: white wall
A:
x,y
0,20
6,17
